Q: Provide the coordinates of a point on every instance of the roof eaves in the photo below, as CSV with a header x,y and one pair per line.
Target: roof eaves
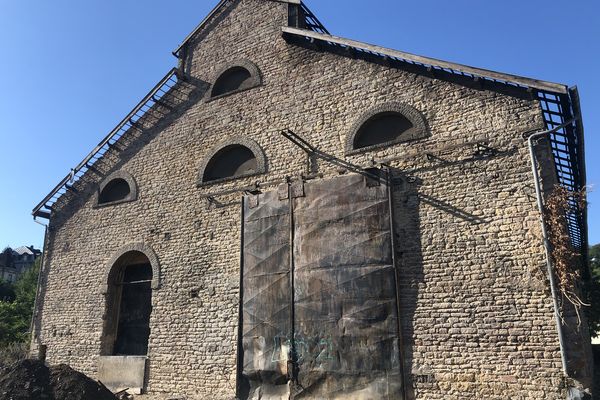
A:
x,y
427,61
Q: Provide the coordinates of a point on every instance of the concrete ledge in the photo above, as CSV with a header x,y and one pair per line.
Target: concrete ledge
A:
x,y
122,372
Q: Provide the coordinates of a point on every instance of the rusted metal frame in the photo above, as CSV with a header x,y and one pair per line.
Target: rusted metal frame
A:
x,y
427,61
566,143
248,189
312,150
433,151
293,357
254,189
103,143
575,105
390,191
240,336
312,21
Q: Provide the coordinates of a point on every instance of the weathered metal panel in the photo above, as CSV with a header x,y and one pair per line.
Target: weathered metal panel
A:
x,y
342,297
265,297
346,330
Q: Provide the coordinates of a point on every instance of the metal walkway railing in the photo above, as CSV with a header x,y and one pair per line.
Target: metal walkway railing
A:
x,y
131,121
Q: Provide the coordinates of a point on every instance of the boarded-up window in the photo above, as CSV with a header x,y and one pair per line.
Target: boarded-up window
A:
x,y
319,294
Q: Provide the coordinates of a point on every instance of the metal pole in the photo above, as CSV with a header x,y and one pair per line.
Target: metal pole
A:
x,y
549,267
292,360
396,278
36,303
240,350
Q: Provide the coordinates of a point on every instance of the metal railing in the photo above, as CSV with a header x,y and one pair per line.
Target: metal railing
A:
x,y
141,110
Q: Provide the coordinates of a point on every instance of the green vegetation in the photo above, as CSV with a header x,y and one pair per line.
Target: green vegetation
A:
x,y
16,307
594,293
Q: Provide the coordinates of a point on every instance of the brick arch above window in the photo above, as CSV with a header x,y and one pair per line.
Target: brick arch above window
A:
x,y
121,184
138,247
390,123
234,77
233,158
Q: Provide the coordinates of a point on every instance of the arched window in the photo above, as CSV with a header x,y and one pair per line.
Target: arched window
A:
x,y
119,187
231,80
129,305
234,158
386,125
232,161
235,77
115,190
381,128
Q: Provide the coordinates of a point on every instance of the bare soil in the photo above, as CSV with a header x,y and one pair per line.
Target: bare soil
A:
x,y
32,379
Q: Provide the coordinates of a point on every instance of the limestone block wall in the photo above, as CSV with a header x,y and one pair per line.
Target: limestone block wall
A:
x,y
476,310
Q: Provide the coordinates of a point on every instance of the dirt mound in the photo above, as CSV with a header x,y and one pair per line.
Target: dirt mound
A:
x,y
31,379
25,380
73,385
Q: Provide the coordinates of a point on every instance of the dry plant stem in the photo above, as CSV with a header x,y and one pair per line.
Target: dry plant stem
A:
x,y
566,259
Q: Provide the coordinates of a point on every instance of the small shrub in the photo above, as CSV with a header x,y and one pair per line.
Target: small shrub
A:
x,y
12,353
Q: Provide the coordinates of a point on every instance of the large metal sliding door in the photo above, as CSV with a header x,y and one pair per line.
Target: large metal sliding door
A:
x,y
341,311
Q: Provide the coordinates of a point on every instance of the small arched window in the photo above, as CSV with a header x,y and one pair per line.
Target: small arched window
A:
x,y
117,188
382,128
232,161
235,77
386,125
235,158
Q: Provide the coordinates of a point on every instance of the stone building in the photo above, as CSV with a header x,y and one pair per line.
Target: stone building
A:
x,y
14,262
290,214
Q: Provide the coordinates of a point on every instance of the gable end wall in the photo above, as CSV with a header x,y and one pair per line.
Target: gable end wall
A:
x,y
476,311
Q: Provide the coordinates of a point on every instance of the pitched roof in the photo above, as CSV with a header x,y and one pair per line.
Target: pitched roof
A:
x,y
23,250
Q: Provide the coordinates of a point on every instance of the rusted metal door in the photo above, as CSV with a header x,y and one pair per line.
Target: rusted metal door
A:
x,y
341,300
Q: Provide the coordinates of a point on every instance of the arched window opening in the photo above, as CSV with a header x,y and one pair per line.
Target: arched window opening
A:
x,y
382,128
233,79
385,125
116,190
231,161
129,305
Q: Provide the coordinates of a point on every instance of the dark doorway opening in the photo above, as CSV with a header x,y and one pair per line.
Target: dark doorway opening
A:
x,y
129,305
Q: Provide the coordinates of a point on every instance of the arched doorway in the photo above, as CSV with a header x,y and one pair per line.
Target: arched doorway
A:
x,y
128,306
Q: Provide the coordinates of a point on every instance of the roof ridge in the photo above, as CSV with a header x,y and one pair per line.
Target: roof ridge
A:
x,y
214,11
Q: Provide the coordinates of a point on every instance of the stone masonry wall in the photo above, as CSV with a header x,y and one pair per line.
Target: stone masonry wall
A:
x,y
476,311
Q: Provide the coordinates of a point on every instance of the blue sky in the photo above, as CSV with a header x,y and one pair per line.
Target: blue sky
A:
x,y
71,70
